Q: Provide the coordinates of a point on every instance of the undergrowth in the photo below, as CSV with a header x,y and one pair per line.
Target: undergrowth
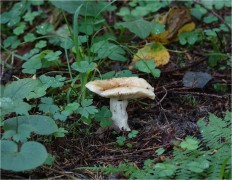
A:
x,y
208,158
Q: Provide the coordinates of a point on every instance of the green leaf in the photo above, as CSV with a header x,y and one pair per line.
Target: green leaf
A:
x,y
139,27
72,107
53,56
84,66
165,170
60,132
50,158
86,109
188,38
30,37
62,116
21,88
29,156
69,6
148,67
48,106
8,105
125,73
198,11
30,16
210,19
23,133
44,28
41,44
198,166
20,28
32,65
121,140
124,11
133,134
106,49
158,28
189,143
41,125
219,87
104,117
57,81
160,151
11,41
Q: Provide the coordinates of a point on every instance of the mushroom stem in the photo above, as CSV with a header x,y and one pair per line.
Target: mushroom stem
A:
x,y
119,114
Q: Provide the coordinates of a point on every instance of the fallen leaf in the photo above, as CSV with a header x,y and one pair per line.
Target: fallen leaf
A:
x,y
153,51
176,20
196,79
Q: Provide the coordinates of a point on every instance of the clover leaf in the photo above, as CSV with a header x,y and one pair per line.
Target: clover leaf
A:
x,y
104,117
86,109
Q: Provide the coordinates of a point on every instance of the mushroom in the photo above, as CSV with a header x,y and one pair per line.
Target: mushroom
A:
x,y
119,90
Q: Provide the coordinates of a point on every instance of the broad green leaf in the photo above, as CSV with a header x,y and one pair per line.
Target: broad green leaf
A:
x,y
104,117
18,106
40,124
69,6
29,156
21,88
84,66
139,27
189,143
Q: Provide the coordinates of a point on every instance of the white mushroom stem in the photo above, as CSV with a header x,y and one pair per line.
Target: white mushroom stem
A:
x,y
119,114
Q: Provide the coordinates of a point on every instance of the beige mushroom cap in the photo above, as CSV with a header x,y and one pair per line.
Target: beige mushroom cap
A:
x,y
122,88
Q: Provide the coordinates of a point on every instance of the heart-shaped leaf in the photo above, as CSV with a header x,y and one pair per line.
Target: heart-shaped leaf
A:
x,y
41,125
31,155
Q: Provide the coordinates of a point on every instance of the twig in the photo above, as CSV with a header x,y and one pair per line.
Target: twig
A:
x,y
202,94
59,172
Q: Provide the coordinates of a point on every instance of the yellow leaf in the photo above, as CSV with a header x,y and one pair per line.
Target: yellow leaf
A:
x,y
154,51
176,20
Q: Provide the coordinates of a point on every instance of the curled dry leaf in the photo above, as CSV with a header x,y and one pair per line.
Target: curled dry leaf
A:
x,y
153,51
176,20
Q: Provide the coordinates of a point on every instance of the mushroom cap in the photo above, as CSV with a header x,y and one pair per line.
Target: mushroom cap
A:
x,y
122,88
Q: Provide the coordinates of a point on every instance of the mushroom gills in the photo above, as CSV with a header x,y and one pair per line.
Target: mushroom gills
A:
x,y
119,114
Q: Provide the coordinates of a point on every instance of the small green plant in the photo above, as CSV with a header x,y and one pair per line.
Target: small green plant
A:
x,y
15,144
121,140
191,160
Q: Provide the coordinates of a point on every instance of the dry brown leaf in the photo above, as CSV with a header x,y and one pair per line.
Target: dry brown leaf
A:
x,y
176,20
